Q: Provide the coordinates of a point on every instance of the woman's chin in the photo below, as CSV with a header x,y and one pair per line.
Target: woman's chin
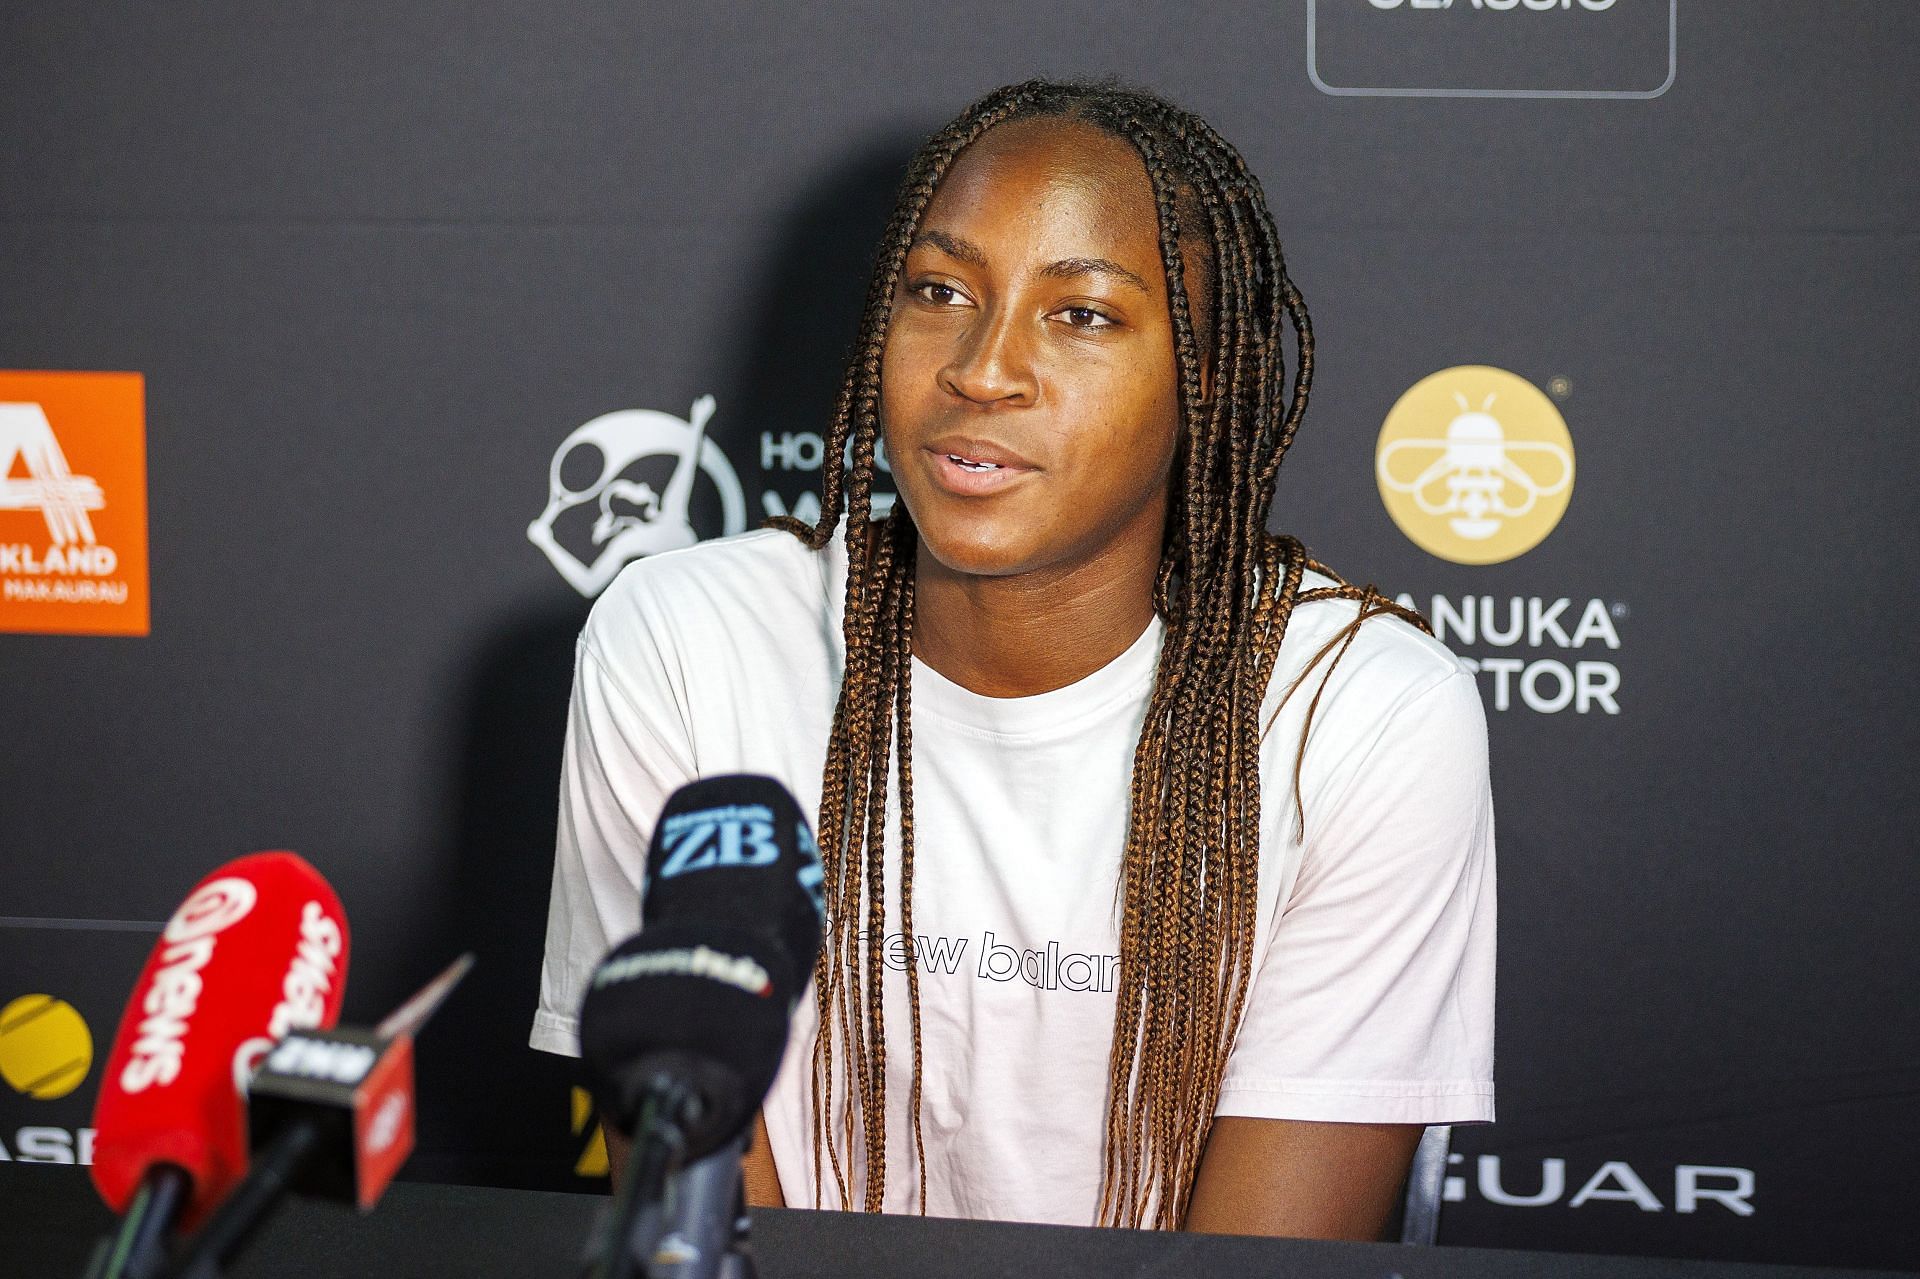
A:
x,y
977,547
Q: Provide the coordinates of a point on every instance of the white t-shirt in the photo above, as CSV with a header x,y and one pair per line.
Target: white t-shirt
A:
x,y
1372,990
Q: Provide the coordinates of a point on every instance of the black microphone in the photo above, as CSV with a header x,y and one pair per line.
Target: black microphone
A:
x,y
734,848
698,1009
330,1114
683,1026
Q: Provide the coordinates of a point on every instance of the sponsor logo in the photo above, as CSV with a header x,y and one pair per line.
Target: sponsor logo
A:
x,y
805,451
213,908
46,1053
1052,967
1543,1184
36,1144
639,482
731,835
740,971
1475,465
46,1049
1528,624
73,503
592,1161
327,1060
1049,969
174,991
623,486
309,978
385,1126
1493,48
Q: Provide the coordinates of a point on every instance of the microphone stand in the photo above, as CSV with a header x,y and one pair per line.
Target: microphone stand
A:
x,y
634,1226
236,1220
705,1235
137,1249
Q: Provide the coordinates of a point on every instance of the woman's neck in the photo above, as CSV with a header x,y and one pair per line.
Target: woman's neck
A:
x,y
1033,632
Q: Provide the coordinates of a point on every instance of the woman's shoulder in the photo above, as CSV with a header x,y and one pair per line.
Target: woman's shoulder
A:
x,y
1358,651
765,583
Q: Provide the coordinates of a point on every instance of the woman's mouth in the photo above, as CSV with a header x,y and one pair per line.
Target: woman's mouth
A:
x,y
965,474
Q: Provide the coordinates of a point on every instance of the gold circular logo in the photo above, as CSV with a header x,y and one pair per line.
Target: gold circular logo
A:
x,y
45,1046
1475,464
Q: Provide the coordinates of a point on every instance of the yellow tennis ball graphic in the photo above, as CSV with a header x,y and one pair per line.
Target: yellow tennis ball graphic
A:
x,y
46,1049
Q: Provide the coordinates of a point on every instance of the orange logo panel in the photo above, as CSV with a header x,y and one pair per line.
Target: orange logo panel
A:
x,y
73,503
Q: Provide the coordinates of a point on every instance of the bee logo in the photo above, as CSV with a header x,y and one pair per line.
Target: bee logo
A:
x,y
1475,465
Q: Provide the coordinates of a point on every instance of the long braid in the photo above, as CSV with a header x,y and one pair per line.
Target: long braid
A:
x,y
1226,590
848,978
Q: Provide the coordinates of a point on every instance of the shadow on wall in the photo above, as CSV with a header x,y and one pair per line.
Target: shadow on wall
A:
x,y
804,295
492,1110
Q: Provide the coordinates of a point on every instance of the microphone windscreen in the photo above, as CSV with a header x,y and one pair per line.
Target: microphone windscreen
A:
x,y
737,848
702,1000
258,948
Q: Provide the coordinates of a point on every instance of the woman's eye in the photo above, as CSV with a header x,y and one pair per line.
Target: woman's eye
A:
x,y
937,293
1085,317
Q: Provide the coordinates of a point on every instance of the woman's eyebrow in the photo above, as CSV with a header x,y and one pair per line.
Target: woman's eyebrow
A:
x,y
952,245
1067,268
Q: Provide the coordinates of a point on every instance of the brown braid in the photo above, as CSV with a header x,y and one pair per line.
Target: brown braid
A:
x,y
1226,589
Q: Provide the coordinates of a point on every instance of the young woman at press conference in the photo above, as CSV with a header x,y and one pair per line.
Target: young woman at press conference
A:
x,y
1159,860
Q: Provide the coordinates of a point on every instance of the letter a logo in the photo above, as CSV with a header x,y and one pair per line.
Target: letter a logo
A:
x,y
73,503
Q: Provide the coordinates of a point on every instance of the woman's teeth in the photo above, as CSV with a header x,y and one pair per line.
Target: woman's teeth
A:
x,y
970,465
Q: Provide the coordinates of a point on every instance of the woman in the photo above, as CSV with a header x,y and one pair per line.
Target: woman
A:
x,y
1122,930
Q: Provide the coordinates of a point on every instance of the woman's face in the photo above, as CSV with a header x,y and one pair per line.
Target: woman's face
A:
x,y
1028,386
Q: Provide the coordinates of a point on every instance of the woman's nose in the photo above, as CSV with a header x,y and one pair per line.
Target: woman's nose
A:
x,y
992,362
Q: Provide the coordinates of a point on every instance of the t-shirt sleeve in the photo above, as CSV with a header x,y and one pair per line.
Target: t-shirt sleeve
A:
x,y
626,751
1374,1000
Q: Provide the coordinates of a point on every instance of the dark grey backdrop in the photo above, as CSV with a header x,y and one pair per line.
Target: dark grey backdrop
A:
x,y
376,262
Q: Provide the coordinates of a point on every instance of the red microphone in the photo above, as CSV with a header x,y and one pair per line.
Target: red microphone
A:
x,y
259,948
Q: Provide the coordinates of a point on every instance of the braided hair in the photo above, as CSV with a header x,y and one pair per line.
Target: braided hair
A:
x,y
1225,589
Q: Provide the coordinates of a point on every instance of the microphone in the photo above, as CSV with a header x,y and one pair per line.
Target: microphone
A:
x,y
683,1026
695,1009
258,948
734,848
330,1114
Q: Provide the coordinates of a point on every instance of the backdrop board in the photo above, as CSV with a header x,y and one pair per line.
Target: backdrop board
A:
x,y
302,307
